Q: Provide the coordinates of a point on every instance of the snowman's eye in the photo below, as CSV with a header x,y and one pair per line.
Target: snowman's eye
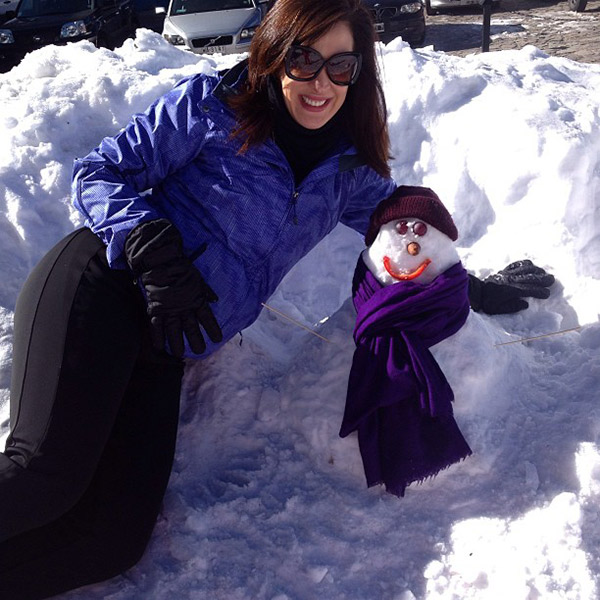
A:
x,y
419,228
401,227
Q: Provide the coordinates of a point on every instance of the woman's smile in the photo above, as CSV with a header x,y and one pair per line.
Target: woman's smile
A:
x,y
313,103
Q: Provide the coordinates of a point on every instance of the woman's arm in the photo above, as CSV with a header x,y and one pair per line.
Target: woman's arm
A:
x,y
369,191
108,183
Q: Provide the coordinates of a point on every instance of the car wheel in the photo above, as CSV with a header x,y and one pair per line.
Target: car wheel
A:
x,y
428,9
577,5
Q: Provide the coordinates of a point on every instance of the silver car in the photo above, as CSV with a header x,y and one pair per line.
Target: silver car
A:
x,y
213,26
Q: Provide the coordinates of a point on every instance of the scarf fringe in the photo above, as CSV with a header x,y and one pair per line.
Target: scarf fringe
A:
x,y
420,480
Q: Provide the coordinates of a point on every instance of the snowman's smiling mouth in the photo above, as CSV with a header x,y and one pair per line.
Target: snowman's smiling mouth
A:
x,y
387,263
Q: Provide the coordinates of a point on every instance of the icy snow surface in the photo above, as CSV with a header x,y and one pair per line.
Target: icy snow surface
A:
x,y
265,501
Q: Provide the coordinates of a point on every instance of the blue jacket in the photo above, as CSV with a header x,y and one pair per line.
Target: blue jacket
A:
x,y
177,161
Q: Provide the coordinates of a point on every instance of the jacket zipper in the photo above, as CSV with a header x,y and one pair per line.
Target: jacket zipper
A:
x,y
294,202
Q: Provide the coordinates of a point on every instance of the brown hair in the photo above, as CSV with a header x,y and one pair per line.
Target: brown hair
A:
x,y
303,22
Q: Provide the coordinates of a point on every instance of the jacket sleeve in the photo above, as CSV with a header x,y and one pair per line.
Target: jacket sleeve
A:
x,y
109,183
369,190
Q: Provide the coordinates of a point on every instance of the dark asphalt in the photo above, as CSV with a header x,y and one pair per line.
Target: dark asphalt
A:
x,y
546,24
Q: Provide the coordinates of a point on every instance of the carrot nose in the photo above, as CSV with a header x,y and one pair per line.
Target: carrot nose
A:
x,y
413,248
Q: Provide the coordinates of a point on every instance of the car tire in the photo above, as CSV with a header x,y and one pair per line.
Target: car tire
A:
x,y
577,5
102,41
432,11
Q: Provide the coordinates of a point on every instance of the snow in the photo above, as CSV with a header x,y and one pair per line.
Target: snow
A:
x,y
266,501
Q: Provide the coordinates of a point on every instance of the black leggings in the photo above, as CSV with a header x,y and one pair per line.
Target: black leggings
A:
x,y
94,413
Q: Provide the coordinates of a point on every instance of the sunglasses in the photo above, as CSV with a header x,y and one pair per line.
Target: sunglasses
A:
x,y
304,64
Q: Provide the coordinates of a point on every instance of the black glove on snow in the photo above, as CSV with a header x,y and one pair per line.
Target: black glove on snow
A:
x,y
178,297
503,292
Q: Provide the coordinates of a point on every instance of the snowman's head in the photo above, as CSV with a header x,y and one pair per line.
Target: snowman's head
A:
x,y
410,237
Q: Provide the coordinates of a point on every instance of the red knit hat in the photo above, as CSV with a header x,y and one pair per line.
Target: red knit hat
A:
x,y
412,201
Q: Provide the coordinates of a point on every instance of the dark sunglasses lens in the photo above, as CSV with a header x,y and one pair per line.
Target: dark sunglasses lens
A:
x,y
341,69
303,63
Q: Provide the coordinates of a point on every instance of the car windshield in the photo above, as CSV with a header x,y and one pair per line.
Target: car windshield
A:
x,y
40,8
184,7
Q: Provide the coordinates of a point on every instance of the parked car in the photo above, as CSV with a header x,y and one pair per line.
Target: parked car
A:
x,y
577,5
38,23
213,26
433,6
7,10
393,18
151,13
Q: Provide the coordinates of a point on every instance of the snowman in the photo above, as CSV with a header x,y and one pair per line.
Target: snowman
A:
x,y
410,291
407,245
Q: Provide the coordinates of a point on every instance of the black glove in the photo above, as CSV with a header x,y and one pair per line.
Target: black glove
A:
x,y
178,297
503,292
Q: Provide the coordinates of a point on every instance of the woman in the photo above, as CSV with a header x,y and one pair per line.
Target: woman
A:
x,y
247,172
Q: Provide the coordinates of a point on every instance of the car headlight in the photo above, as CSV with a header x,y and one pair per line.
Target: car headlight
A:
x,y
73,29
247,33
174,39
413,7
6,36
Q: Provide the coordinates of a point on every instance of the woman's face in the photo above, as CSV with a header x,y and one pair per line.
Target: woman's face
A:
x,y
314,103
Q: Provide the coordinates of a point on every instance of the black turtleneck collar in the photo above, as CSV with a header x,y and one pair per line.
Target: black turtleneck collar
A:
x,y
303,148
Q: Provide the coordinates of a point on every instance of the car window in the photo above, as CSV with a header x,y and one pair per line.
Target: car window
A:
x,y
38,8
183,7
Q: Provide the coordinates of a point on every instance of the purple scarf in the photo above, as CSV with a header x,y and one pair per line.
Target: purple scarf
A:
x,y
398,398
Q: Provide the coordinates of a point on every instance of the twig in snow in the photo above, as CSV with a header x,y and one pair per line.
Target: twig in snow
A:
x,y
537,337
282,314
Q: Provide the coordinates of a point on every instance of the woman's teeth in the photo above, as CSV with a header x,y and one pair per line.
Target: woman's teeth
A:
x,y
311,102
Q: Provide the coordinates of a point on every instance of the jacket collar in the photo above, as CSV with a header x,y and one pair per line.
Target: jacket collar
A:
x,y
231,80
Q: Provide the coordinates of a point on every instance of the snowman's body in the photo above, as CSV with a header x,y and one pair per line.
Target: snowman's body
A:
x,y
409,249
398,398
